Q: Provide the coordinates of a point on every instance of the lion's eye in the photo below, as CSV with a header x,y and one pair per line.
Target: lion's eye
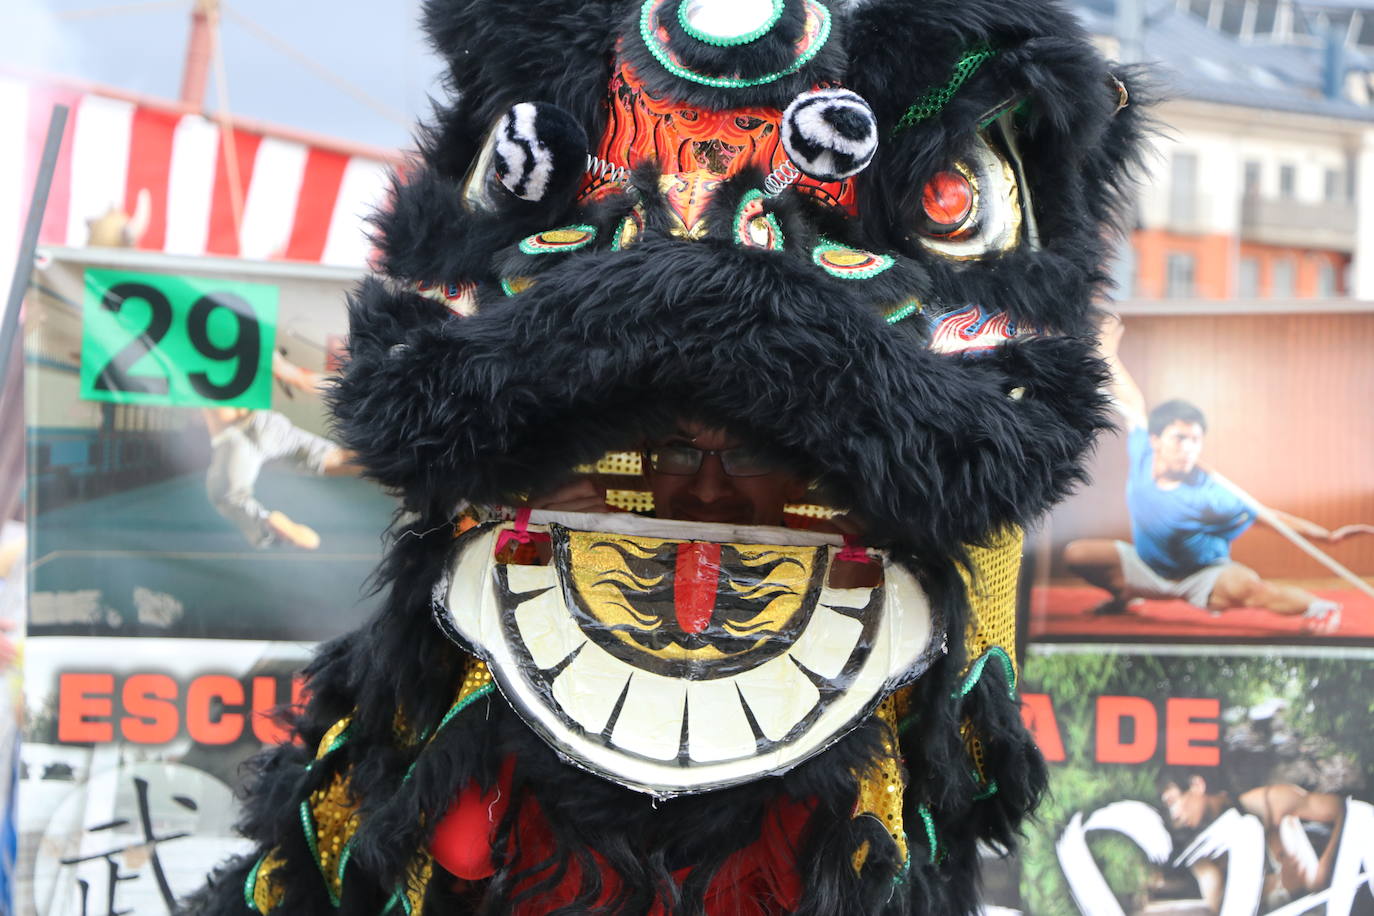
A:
x,y
947,204
973,207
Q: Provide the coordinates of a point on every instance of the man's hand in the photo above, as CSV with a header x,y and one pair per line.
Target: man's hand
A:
x,y
581,495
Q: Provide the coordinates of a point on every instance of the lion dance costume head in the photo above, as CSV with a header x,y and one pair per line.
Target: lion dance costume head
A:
x,y
858,240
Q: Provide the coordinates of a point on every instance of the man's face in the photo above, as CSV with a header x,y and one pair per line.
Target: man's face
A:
x,y
1177,448
1186,807
710,494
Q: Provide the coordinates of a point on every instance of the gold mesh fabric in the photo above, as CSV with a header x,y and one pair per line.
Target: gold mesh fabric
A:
x,y
992,618
630,500
882,786
992,595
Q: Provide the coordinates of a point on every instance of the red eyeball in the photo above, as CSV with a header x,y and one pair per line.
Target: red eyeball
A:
x,y
947,200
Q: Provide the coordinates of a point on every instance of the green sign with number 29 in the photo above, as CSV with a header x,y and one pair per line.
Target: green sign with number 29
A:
x,y
181,341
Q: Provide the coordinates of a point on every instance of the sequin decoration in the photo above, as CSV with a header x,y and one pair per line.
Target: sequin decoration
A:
x,y
410,897
330,819
882,787
554,241
753,227
629,230
849,263
514,286
904,311
260,892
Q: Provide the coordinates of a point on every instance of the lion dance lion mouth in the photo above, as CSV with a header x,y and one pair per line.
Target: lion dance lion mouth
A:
x,y
674,663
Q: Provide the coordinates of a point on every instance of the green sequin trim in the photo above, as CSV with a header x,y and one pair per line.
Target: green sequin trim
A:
x,y
975,673
742,230
882,262
934,101
929,820
308,825
660,53
534,245
903,313
723,41
987,793
398,897
250,887
339,741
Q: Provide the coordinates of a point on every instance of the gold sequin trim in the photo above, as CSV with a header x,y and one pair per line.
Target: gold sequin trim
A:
x,y
335,815
882,786
267,895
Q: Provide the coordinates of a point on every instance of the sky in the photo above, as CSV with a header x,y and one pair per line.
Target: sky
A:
x,y
375,46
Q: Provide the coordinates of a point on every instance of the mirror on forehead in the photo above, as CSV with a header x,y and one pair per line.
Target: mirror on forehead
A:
x,y
730,19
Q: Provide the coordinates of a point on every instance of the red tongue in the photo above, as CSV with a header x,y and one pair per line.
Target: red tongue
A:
x,y
694,588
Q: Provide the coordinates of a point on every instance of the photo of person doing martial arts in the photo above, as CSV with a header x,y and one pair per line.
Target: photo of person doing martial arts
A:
x,y
1184,518
242,441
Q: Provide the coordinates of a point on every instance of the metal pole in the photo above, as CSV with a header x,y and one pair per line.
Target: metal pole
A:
x,y
195,74
9,331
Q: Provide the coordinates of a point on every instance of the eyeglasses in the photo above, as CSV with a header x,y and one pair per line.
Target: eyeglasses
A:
x,y
682,460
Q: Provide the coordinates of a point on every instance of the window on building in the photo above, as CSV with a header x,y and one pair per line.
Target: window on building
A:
x,y
1200,8
1266,17
1252,178
1232,16
1180,282
1283,276
1326,280
1288,181
1332,185
1249,278
1183,190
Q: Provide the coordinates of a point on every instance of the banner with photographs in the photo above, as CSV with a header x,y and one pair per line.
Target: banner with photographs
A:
x,y
132,757
1200,784
1236,502
182,479
194,532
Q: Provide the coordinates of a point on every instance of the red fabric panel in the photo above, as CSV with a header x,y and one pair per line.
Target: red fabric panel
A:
x,y
224,228
150,164
319,191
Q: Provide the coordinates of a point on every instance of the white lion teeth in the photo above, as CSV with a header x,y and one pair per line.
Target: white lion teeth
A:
x,y
650,721
547,630
587,690
717,728
828,642
779,696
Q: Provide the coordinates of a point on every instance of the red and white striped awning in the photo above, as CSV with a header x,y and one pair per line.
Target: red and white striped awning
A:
x,y
283,195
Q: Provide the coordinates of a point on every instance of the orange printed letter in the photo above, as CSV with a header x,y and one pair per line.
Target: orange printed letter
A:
x,y
1191,731
208,729
80,696
149,700
1112,712
1038,713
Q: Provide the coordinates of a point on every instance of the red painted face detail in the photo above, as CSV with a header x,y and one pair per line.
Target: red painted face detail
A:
x,y
681,138
694,586
947,201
